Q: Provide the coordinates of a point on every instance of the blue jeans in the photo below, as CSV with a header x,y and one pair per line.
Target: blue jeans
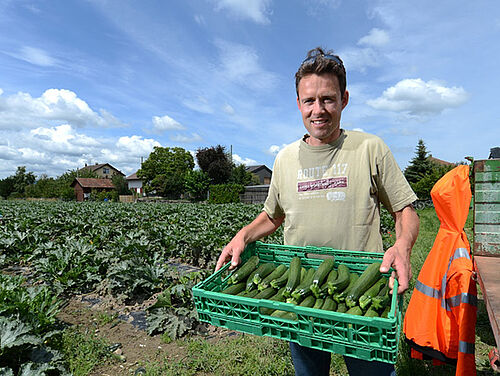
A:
x,y
312,362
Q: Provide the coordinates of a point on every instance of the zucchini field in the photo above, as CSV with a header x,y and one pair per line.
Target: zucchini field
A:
x,y
52,252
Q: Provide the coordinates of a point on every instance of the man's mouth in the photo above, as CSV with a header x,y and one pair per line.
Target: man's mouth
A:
x,y
318,122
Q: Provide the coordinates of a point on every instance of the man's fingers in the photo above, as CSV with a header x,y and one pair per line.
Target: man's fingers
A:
x,y
387,262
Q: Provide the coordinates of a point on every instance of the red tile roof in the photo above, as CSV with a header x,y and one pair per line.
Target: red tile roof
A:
x,y
93,183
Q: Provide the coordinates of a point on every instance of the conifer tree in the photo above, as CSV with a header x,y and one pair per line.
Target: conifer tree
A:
x,y
420,165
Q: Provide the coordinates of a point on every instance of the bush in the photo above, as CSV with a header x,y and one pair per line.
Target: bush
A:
x,y
225,193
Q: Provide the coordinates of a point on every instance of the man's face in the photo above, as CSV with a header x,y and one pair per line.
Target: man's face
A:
x,y
321,105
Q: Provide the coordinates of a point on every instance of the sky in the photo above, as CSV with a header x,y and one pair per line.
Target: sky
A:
x,y
105,81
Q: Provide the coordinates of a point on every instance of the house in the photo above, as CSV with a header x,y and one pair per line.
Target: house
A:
x,y
255,194
135,184
84,186
103,170
440,161
262,172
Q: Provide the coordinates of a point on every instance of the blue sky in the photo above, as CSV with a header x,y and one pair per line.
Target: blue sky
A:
x,y
107,80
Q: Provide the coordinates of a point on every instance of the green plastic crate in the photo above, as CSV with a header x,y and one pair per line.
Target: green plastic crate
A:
x,y
368,338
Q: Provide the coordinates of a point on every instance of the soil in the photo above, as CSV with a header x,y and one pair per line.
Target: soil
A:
x,y
124,327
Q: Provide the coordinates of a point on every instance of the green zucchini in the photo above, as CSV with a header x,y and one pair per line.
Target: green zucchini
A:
x,y
320,275
276,273
329,304
386,311
318,303
293,276
249,294
332,276
234,289
382,299
263,271
281,281
342,308
369,276
341,295
278,297
366,298
303,272
244,270
342,281
304,289
266,293
250,285
308,301
356,310
371,313
284,315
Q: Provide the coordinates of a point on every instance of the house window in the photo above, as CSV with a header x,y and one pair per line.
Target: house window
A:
x,y
105,170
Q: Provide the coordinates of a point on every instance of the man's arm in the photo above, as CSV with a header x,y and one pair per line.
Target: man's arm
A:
x,y
261,226
398,256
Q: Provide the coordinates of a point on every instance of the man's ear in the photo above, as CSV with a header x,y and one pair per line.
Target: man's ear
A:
x,y
345,99
298,103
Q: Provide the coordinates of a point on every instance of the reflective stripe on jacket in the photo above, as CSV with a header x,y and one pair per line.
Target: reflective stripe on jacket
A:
x,y
440,320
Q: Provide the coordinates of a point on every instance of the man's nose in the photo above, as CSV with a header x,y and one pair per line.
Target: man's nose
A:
x,y
318,107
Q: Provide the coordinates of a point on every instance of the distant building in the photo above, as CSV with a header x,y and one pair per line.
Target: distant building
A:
x,y
440,161
135,184
84,186
262,172
103,170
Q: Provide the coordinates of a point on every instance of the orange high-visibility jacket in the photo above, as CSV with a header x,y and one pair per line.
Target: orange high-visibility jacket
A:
x,y
440,321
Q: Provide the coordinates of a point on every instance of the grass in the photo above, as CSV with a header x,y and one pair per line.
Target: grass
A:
x,y
83,351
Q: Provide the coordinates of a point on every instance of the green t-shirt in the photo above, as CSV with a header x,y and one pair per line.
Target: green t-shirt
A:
x,y
331,194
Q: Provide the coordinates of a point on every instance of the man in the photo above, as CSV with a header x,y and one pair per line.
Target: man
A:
x,y
327,188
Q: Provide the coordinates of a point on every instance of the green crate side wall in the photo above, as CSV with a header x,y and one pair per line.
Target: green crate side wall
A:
x,y
487,208
330,329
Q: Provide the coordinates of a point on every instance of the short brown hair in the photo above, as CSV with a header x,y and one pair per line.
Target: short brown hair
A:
x,y
320,62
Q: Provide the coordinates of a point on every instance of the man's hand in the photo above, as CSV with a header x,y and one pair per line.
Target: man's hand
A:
x,y
398,256
231,251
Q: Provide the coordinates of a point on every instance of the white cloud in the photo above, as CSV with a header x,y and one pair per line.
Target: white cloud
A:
x,y
255,10
200,104
228,109
240,64
246,161
62,139
136,145
376,38
275,149
165,123
360,59
195,137
36,56
417,97
22,110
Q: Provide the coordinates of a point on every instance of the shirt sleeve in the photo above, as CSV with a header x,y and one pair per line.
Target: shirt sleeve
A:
x,y
394,191
272,205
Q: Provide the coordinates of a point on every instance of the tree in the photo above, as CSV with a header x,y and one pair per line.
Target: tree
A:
x,y
423,187
6,186
215,162
240,175
420,165
196,185
120,184
165,170
15,185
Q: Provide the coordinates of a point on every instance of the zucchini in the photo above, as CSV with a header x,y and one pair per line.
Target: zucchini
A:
x,y
248,294
244,270
383,298
263,271
386,311
371,313
323,290
250,285
329,304
276,273
293,276
320,275
318,303
266,293
308,301
234,289
342,281
303,272
366,298
340,296
342,308
356,310
304,289
281,281
278,297
284,315
369,276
